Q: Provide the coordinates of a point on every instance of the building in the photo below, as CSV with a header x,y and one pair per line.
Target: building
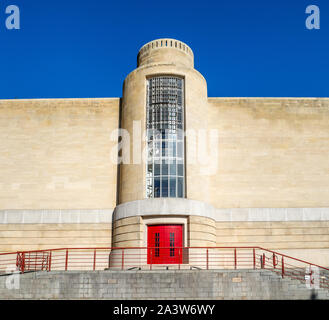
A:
x,y
185,170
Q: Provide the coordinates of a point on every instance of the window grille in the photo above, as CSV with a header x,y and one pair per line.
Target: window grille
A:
x,y
165,173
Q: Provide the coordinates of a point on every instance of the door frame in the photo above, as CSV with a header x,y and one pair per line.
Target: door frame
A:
x,y
165,257
165,220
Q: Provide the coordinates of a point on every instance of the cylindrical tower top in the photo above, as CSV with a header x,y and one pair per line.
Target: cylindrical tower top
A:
x,y
166,51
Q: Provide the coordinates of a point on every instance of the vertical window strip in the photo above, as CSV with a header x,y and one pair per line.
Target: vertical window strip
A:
x,y
165,124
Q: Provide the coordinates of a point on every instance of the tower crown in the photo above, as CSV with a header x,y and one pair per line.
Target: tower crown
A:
x,y
166,51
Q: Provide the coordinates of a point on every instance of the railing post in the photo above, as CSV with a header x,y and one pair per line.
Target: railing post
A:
x,y
207,259
264,261
254,257
43,260
274,262
282,271
94,266
23,262
235,259
29,261
311,278
49,268
179,256
66,259
17,259
123,259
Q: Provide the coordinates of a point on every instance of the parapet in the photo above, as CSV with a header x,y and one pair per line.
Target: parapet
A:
x,y
166,51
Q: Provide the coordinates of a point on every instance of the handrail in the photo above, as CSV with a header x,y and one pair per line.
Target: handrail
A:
x,y
123,258
113,248
296,259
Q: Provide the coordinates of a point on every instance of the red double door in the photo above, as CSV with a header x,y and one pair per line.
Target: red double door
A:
x,y
165,244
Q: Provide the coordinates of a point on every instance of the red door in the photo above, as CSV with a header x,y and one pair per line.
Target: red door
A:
x,y
165,244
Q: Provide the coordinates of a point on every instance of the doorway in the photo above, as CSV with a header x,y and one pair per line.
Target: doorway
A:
x,y
165,244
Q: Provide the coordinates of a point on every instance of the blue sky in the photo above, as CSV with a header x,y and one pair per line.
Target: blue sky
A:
x,y
243,48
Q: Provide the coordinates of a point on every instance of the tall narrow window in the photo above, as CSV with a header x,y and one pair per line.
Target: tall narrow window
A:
x,y
157,244
165,174
172,244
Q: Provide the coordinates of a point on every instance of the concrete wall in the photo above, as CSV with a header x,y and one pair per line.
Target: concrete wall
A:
x,y
154,285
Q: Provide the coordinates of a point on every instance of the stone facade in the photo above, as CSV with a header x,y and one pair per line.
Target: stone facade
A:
x,y
267,186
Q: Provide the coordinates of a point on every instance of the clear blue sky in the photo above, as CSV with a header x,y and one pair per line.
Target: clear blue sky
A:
x,y
247,48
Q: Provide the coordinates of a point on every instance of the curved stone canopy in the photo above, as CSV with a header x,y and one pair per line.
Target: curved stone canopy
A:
x,y
164,206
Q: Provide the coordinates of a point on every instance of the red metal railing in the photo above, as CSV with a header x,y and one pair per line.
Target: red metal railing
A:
x,y
64,259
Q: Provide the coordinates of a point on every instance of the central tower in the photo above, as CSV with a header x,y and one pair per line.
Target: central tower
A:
x,y
161,189
162,98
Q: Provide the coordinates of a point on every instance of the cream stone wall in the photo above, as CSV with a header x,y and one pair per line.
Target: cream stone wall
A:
x,y
20,237
56,154
128,232
274,234
308,240
273,152
202,232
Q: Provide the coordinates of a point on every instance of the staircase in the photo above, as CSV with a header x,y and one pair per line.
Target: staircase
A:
x,y
241,259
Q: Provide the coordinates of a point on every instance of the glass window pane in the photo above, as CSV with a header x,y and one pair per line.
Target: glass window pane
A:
x,y
164,134
150,135
157,149
180,169
172,169
169,160
156,169
180,134
157,135
179,149
164,186
156,187
164,168
172,149
172,187
180,182
164,148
